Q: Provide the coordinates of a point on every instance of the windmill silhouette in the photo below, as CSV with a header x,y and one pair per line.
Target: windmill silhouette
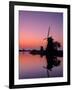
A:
x,y
49,46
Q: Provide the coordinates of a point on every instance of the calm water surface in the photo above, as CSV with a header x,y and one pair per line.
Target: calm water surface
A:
x,y
35,66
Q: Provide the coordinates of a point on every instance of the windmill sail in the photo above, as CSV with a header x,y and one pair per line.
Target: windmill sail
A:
x,y
47,33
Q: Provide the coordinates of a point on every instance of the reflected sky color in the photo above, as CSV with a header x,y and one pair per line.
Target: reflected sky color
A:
x,y
33,28
32,67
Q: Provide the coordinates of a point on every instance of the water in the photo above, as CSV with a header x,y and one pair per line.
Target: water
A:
x,y
35,66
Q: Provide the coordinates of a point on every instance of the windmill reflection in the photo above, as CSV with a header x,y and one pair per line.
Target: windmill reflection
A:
x,y
51,61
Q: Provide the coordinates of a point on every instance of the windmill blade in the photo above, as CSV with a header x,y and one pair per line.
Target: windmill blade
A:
x,y
44,38
48,73
48,32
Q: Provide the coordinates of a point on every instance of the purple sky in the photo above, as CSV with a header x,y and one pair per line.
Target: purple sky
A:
x,y
33,27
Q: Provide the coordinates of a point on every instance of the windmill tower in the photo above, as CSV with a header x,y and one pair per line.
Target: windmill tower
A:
x,y
49,40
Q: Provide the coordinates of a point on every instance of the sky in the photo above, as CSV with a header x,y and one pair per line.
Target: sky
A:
x,y
33,28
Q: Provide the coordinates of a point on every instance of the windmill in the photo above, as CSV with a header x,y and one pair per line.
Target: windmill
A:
x,y
47,34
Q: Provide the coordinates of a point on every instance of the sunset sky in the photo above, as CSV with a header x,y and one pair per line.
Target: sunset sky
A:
x,y
33,28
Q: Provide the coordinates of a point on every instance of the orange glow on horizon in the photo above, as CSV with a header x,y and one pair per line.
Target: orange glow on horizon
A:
x,y
30,41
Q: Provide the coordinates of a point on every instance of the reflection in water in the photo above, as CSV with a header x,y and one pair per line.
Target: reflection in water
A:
x,y
51,62
36,66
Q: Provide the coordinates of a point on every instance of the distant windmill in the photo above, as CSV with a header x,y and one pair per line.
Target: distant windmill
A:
x,y
47,33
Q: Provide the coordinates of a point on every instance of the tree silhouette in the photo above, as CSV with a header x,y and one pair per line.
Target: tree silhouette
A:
x,y
56,45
